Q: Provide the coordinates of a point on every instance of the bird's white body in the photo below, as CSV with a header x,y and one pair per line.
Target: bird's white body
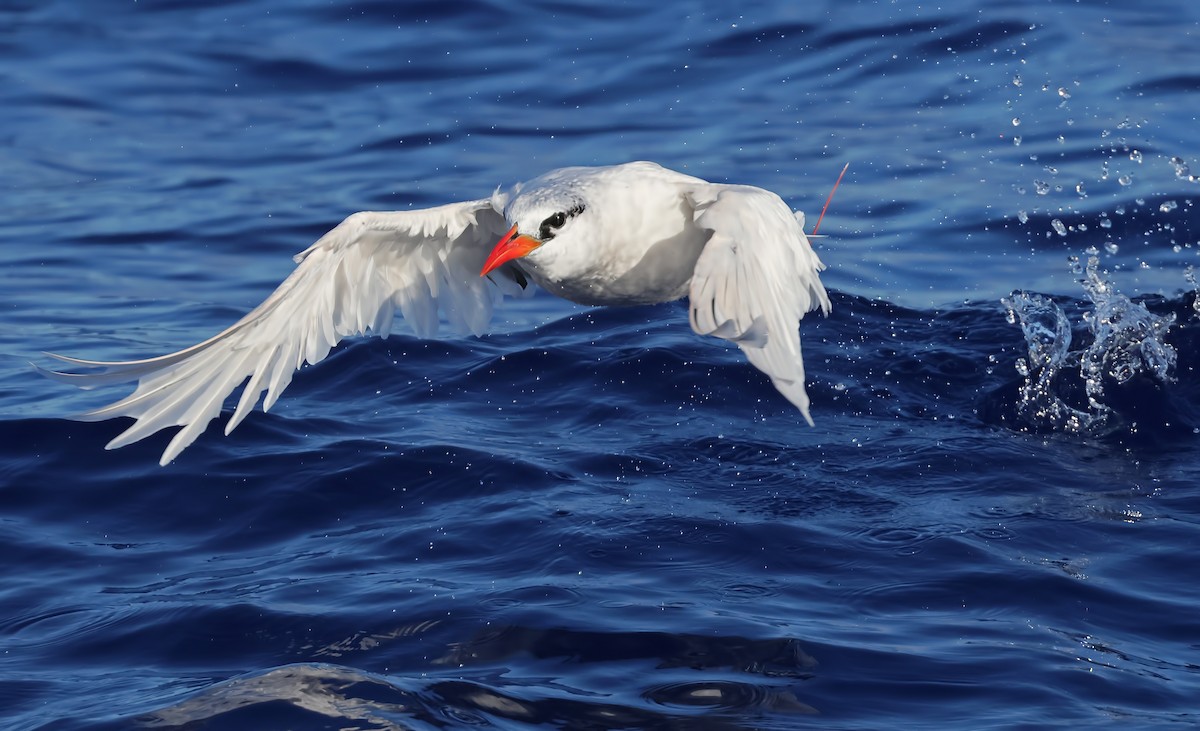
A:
x,y
620,235
646,255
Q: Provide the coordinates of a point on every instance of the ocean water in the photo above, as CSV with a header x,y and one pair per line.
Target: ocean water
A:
x,y
592,518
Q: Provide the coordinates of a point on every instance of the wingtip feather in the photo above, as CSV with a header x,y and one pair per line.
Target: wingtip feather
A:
x,y
352,280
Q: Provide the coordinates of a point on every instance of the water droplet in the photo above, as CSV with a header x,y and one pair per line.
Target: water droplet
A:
x,y
1062,140
1058,227
1120,210
1105,223
1017,80
1168,206
1125,179
1181,167
1064,93
1136,156
1041,187
1079,189
1017,140
1111,247
1016,121
1022,216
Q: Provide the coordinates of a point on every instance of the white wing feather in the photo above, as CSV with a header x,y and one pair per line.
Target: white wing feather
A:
x,y
351,281
755,279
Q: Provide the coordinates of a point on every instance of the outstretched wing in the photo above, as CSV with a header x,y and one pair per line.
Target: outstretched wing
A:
x,y
755,279
351,281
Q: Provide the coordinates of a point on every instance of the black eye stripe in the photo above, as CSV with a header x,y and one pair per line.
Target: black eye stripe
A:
x,y
556,221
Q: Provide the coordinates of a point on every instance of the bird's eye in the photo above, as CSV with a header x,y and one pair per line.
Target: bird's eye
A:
x,y
552,222
556,221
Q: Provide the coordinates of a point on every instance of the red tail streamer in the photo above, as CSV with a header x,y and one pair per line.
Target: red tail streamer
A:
x,y
830,198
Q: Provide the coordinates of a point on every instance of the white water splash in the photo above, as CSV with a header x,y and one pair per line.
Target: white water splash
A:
x,y
1127,340
1048,335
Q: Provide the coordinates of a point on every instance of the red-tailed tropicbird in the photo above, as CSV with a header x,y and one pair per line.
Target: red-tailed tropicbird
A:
x,y
627,234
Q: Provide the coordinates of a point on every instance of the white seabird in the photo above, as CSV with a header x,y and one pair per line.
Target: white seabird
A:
x,y
627,234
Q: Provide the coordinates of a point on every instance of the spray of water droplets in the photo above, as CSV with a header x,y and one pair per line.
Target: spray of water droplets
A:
x,y
1126,340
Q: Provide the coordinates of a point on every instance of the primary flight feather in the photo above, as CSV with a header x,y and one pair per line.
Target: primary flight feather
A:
x,y
627,234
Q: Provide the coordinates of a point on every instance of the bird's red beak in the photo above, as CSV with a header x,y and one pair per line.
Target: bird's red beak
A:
x,y
511,246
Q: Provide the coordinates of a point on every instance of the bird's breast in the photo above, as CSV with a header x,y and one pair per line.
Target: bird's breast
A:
x,y
653,265
635,243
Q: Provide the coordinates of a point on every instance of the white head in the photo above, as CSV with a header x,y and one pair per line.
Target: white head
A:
x,y
541,212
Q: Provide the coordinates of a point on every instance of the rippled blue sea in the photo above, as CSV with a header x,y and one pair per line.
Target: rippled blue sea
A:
x,y
594,519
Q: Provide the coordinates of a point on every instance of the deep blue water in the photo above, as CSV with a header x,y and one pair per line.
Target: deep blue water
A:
x,y
594,519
